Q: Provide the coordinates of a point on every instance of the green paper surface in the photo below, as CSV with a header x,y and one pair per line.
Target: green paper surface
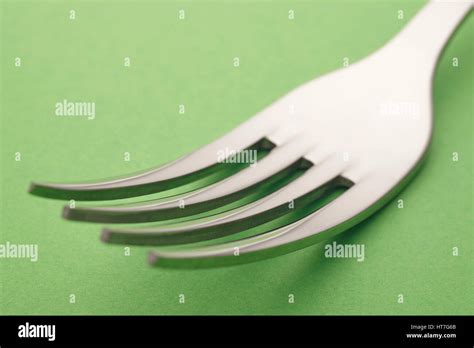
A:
x,y
408,251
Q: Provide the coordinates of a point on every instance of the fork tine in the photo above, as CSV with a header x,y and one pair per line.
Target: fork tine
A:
x,y
311,185
283,160
356,204
196,165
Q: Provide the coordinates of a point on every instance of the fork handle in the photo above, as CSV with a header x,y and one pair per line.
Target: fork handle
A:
x,y
428,32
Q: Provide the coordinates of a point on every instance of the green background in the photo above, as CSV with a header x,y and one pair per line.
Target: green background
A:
x,y
407,251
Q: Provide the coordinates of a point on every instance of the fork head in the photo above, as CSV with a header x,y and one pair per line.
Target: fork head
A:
x,y
358,127
368,125
365,127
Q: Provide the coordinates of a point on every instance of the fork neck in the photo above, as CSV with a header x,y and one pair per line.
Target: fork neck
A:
x,y
427,33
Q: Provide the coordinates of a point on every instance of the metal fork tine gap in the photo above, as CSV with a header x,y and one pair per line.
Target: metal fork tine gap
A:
x,y
313,184
281,161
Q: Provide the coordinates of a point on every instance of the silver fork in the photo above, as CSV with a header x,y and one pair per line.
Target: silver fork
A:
x,y
338,129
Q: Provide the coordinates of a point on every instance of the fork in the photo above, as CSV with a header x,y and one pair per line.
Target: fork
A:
x,y
337,131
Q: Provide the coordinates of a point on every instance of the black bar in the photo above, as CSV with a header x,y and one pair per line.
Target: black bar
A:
x,y
239,330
